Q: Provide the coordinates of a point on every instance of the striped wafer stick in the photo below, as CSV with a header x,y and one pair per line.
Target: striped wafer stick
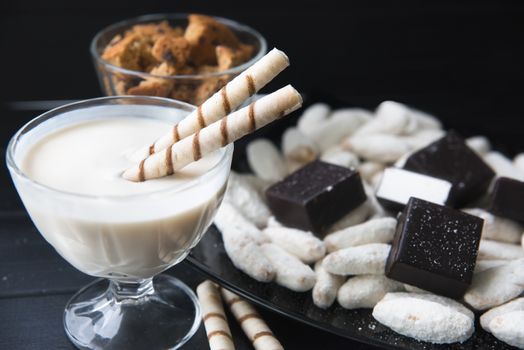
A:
x,y
215,321
220,133
224,101
252,324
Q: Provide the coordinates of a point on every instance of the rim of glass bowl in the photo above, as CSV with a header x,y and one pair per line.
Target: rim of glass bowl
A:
x,y
100,101
177,16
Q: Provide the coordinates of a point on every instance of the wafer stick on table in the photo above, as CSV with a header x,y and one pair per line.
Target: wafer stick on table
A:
x,y
224,101
215,321
219,134
252,324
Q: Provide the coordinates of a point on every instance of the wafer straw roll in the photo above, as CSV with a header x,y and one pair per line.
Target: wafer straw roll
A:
x,y
215,321
216,135
252,324
223,101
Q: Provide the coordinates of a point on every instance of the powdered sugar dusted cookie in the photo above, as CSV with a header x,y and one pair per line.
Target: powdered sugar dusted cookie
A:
x,y
509,328
496,285
366,291
379,230
488,316
326,287
301,244
360,260
425,317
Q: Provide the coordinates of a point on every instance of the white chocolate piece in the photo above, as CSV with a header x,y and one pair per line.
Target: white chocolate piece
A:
x,y
423,138
242,246
359,260
326,287
488,316
399,185
479,144
366,291
425,317
509,328
354,217
215,321
313,117
229,218
338,156
497,228
290,271
503,166
496,286
247,199
383,148
265,160
518,161
298,147
254,327
304,245
336,127
368,169
379,230
483,265
232,95
493,250
216,135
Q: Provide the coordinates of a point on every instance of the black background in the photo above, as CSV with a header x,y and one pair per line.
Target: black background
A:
x,y
460,60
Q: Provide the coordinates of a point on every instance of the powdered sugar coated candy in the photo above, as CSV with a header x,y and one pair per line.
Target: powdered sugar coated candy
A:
x,y
383,148
242,246
380,230
483,265
312,117
497,228
265,160
496,286
509,328
492,250
298,147
247,199
368,169
503,166
338,156
354,217
488,316
425,317
326,286
301,244
518,161
290,271
360,260
229,218
336,127
479,144
366,291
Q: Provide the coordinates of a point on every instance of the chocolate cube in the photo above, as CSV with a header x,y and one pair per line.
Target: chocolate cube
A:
x,y
507,199
435,248
398,185
449,158
316,196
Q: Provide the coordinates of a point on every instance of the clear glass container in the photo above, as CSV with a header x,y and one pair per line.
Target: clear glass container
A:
x,y
191,88
121,238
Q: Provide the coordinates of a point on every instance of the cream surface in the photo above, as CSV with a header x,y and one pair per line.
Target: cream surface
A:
x,y
128,230
90,156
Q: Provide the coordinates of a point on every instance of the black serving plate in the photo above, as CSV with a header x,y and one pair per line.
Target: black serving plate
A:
x,y
210,257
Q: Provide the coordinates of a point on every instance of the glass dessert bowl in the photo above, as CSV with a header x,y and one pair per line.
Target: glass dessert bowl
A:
x,y
128,235
162,74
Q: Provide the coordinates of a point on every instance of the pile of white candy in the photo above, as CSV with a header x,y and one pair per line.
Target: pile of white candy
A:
x,y
358,245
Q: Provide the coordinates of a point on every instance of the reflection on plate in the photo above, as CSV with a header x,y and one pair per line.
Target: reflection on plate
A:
x,y
210,257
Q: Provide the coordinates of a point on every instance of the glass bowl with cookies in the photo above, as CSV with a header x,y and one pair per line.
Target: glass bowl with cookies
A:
x,y
186,57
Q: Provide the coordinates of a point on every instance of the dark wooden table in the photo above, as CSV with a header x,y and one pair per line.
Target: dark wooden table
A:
x,y
36,283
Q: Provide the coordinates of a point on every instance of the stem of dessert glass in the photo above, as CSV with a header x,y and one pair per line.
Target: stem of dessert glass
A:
x,y
123,290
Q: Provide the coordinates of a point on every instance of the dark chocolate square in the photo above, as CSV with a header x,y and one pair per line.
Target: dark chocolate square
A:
x,y
449,158
316,196
507,199
435,248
